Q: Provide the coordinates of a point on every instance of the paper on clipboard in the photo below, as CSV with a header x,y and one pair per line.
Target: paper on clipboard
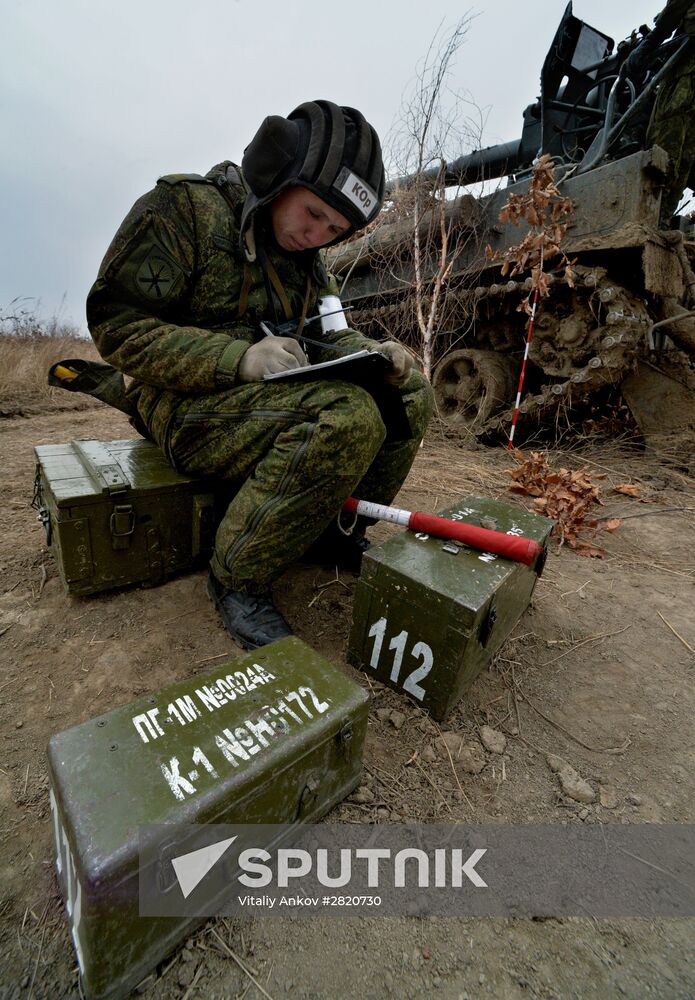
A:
x,y
361,366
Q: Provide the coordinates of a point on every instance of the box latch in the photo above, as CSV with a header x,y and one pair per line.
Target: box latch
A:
x,y
308,798
487,624
166,874
344,739
122,525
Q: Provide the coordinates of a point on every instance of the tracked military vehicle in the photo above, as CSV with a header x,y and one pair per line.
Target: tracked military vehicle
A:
x,y
595,117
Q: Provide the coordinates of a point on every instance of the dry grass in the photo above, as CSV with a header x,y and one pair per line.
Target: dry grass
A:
x,y
28,347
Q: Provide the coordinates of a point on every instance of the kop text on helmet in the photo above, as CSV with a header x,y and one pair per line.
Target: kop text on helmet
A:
x,y
331,150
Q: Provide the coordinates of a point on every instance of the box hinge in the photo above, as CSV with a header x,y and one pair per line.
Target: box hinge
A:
x,y
102,467
203,527
76,548
154,555
122,525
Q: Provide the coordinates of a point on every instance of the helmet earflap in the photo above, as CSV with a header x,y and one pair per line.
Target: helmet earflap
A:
x,y
270,154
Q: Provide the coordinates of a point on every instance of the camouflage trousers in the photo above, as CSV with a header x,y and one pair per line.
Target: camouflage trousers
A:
x,y
293,452
672,126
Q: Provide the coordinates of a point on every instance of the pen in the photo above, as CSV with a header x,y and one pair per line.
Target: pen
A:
x,y
289,329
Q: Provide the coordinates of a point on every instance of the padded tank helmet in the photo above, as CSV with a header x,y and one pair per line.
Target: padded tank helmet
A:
x,y
331,150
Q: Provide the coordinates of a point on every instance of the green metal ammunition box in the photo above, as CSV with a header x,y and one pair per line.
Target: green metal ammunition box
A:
x,y
429,614
272,737
117,513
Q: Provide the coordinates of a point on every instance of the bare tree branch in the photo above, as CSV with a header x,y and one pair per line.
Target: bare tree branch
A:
x,y
423,223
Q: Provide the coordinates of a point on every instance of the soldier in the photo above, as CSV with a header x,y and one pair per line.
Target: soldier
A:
x,y
195,267
672,122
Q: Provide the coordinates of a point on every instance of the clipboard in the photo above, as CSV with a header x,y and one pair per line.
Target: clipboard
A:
x,y
364,368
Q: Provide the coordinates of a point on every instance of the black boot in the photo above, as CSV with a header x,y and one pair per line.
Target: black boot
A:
x,y
252,620
334,548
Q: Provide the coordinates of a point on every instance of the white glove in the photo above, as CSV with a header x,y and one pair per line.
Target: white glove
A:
x,y
401,362
269,356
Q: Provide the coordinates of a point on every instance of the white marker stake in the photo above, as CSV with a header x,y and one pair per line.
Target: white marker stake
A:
x,y
524,550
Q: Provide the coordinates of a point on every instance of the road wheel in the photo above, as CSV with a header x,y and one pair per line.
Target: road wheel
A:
x,y
471,386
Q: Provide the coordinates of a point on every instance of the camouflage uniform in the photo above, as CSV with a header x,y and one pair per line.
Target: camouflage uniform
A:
x,y
672,123
672,126
175,306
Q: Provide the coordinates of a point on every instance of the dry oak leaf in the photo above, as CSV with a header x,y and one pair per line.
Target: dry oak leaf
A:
x,y
565,496
587,549
629,489
610,524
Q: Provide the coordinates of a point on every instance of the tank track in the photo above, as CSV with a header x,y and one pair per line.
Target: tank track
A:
x,y
584,338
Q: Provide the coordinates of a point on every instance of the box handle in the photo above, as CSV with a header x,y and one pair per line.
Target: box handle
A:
x,y
122,525
42,512
45,518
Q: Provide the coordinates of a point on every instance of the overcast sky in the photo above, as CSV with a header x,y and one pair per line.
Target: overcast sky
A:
x,y
100,97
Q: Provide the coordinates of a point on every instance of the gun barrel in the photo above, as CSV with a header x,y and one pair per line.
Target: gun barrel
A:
x,y
480,165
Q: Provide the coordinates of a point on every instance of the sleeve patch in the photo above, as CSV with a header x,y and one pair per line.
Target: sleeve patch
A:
x,y
158,276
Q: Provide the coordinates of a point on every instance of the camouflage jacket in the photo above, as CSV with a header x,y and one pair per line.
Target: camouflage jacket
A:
x,y
177,301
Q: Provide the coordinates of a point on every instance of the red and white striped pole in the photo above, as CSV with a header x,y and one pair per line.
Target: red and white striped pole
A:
x,y
532,317
524,550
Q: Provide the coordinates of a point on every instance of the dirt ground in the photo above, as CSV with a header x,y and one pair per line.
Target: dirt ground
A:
x,y
603,659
